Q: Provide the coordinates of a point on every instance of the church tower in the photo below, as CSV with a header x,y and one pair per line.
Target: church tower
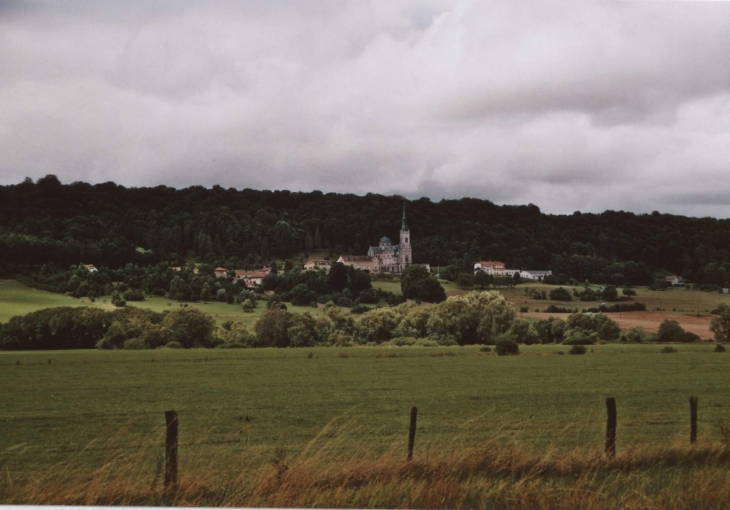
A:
x,y
405,255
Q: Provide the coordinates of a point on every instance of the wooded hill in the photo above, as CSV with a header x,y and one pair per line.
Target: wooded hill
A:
x,y
110,225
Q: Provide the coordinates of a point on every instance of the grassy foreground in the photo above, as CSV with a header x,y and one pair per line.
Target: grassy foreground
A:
x,y
280,428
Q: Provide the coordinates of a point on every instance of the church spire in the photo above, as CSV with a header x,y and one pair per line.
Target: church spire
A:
x,y
404,225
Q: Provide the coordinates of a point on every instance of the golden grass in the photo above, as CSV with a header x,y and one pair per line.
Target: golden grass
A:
x,y
324,474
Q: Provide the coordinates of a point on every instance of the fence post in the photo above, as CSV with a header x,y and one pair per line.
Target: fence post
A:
x,y
171,451
412,432
611,427
693,419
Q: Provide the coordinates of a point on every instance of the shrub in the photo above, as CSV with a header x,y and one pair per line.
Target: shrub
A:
x,y
344,302
669,331
134,295
634,335
401,341
425,342
668,350
358,309
719,348
558,309
506,347
135,344
560,294
485,348
577,349
579,337
173,345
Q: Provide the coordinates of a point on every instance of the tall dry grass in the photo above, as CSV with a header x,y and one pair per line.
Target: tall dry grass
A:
x,y
334,470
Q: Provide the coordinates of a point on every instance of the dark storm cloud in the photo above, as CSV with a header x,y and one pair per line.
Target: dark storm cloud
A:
x,y
586,105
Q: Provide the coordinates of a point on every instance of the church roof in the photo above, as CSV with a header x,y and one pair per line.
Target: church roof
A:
x,y
379,250
384,240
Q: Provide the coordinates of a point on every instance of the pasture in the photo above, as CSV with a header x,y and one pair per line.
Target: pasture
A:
x,y
245,405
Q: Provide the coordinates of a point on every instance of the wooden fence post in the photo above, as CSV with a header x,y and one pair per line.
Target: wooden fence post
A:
x,y
693,419
412,432
611,427
171,451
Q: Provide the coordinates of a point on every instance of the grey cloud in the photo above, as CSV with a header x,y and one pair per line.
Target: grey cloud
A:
x,y
575,105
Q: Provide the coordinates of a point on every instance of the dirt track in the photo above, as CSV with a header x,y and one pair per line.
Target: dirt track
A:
x,y
648,321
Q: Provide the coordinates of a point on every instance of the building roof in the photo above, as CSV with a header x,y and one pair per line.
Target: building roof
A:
x,y
491,263
220,269
378,250
356,258
240,273
385,240
534,271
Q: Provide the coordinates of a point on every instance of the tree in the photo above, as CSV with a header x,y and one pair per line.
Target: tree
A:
x,y
481,279
271,328
609,293
465,280
720,325
338,277
417,283
560,294
205,293
669,331
190,327
378,325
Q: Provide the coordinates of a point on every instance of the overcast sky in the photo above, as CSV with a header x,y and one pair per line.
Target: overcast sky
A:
x,y
570,105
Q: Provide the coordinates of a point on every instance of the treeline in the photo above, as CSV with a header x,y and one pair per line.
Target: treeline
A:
x,y
484,318
110,225
88,328
344,285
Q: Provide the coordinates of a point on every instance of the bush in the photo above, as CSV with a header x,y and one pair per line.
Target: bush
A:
x,y
577,349
134,295
560,294
634,335
135,344
507,347
719,348
344,302
558,309
485,348
671,331
173,345
425,342
668,350
358,309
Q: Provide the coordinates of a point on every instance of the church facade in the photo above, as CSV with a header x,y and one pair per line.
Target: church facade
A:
x,y
386,257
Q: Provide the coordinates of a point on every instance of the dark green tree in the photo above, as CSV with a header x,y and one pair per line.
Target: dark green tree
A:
x,y
417,283
338,277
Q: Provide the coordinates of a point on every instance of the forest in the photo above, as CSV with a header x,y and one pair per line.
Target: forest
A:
x,y
46,222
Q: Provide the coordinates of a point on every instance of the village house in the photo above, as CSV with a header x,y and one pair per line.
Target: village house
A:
x,y
90,268
220,272
316,265
675,281
493,267
497,268
530,274
251,278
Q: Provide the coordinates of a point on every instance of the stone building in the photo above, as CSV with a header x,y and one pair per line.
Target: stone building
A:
x,y
386,257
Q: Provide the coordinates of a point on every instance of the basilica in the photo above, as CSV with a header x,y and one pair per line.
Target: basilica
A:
x,y
386,257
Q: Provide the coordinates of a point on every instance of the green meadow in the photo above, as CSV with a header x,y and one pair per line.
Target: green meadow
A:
x,y
249,404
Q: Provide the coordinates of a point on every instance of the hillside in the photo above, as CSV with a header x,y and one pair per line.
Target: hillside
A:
x,y
110,225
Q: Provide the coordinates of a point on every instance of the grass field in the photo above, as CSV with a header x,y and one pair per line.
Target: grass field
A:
x,y
63,407
17,299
